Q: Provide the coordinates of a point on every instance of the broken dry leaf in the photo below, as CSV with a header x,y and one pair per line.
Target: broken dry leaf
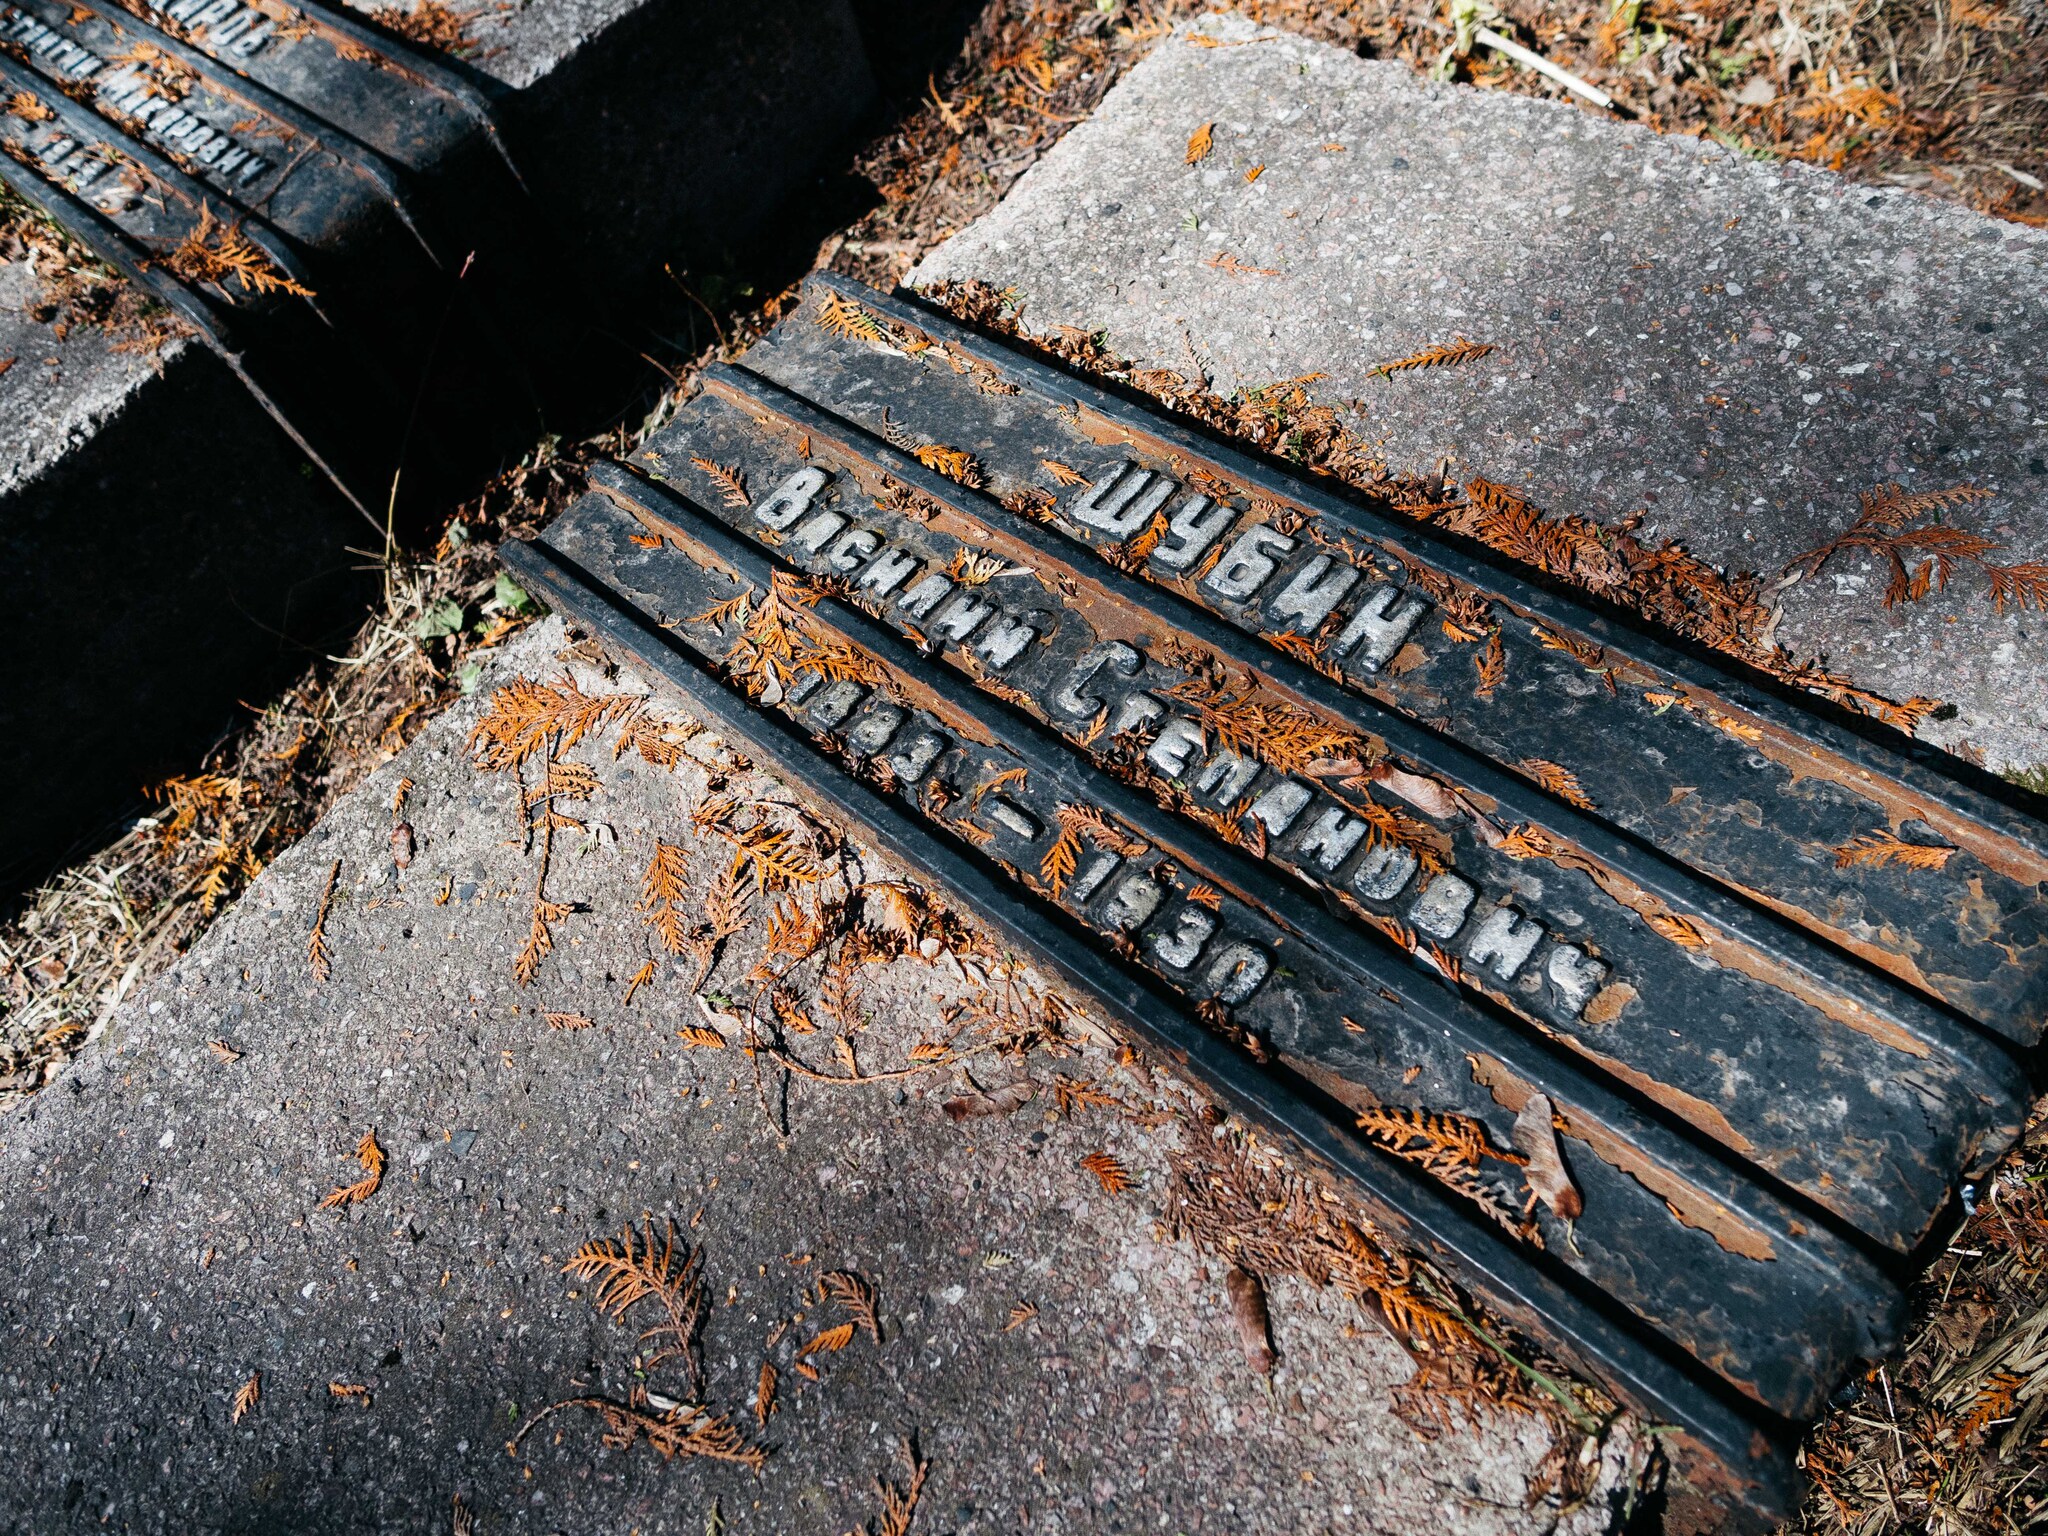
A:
x,y
1005,1100
1535,1137
1248,1311
1200,142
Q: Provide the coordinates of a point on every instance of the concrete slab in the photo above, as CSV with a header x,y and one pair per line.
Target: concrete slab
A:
x,y
175,549
1737,348
160,1212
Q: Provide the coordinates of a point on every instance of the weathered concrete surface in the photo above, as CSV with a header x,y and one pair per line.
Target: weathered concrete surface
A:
x,y
175,551
158,1209
1739,348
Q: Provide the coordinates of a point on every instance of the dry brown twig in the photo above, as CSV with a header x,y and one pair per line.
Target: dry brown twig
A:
x,y
684,1430
318,957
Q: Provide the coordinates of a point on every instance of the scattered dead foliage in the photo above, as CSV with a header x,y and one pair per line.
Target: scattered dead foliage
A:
x,y
433,24
1245,1204
72,949
76,290
1948,1436
246,1398
1885,527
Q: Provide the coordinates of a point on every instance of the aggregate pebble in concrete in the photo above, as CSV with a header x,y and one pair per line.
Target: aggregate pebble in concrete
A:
x,y
158,1207
1739,348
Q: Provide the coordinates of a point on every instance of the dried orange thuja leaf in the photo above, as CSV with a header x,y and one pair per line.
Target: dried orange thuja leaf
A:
x,y
732,486
1450,1146
1057,867
1444,356
1883,527
1200,142
1109,1173
1559,780
524,714
954,463
830,1342
318,957
661,895
219,253
371,1156
638,1266
1888,848
857,1296
247,1397
843,317
899,1504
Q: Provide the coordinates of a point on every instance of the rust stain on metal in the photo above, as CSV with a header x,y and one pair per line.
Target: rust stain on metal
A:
x,y
1687,1202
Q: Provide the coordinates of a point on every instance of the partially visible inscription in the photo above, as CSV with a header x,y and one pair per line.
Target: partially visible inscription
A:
x,y
145,95
1202,950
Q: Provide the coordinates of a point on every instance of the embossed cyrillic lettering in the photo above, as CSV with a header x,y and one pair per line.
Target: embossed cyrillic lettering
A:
x,y
1311,593
1384,872
791,499
1576,975
1385,618
1123,503
1248,563
1196,524
1504,939
1440,910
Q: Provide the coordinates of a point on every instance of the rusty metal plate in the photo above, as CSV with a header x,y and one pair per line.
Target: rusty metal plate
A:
x,y
1063,671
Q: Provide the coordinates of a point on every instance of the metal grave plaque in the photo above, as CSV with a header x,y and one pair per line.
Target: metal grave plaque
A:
x,y
1192,732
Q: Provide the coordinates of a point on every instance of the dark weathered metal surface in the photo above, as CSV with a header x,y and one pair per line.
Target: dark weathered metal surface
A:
x,y
1756,1034
1716,768
1165,714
